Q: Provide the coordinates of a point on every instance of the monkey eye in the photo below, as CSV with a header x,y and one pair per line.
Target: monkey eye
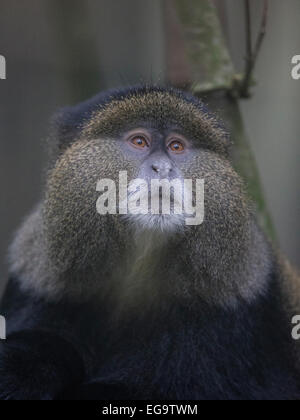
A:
x,y
139,141
176,146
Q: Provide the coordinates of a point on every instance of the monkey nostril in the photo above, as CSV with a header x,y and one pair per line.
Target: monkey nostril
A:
x,y
162,169
155,168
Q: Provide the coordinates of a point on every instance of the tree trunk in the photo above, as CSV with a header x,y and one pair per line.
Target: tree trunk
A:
x,y
194,29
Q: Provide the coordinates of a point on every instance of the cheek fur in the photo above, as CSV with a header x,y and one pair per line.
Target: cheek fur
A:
x,y
70,212
226,206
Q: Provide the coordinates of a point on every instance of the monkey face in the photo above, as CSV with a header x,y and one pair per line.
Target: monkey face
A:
x,y
155,199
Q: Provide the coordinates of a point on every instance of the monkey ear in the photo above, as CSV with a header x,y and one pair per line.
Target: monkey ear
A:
x,y
66,126
68,123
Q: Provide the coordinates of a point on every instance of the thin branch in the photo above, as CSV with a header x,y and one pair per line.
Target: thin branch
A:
x,y
263,29
252,55
248,28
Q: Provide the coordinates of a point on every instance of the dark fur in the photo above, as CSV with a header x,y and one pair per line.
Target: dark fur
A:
x,y
243,353
204,316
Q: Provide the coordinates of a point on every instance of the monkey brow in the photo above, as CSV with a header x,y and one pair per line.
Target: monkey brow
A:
x,y
164,111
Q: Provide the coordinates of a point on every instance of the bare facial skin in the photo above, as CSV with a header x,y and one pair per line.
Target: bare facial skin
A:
x,y
160,154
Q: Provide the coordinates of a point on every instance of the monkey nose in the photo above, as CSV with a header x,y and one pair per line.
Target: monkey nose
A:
x,y
162,169
155,168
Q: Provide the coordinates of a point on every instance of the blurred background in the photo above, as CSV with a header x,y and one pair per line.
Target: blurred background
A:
x,y
60,52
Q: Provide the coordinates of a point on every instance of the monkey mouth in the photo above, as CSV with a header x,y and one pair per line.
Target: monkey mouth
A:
x,y
169,222
158,204
163,223
161,209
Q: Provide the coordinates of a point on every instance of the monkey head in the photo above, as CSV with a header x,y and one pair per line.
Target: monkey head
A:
x,y
151,134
